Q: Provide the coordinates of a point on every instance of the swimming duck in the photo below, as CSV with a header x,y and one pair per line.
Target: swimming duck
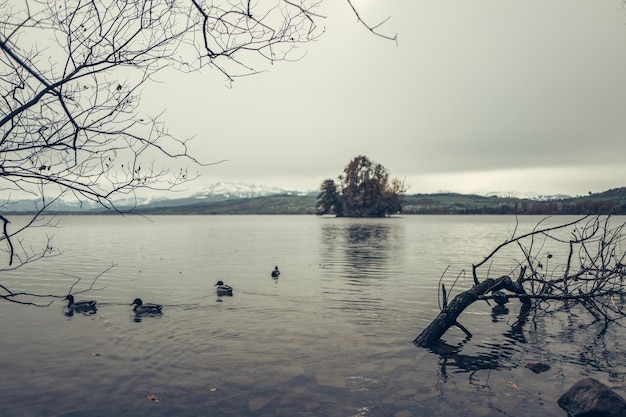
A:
x,y
500,297
83,305
223,289
275,272
148,308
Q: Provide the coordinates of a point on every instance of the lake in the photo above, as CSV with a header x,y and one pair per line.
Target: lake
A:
x,y
332,336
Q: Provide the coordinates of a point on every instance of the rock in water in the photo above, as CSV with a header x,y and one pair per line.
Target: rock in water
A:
x,y
590,397
537,367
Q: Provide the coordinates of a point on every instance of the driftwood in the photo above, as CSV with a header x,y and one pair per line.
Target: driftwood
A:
x,y
449,314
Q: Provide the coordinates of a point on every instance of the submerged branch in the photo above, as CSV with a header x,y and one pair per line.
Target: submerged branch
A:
x,y
593,279
448,317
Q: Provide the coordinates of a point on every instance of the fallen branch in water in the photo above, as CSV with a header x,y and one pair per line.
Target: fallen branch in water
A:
x,y
592,274
448,317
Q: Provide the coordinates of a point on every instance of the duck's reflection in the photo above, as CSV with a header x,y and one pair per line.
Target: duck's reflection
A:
x,y
139,317
497,313
69,312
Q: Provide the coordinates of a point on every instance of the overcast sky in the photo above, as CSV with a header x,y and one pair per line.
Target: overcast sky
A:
x,y
478,96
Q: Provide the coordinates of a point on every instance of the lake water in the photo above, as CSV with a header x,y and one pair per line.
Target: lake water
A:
x,y
332,336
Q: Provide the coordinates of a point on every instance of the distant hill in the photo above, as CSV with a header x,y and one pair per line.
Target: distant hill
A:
x,y
223,199
214,193
275,204
608,202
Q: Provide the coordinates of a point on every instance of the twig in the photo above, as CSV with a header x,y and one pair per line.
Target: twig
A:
x,y
93,282
5,233
374,28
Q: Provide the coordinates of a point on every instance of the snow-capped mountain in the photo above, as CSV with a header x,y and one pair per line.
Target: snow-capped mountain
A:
x,y
74,205
219,191
527,195
228,190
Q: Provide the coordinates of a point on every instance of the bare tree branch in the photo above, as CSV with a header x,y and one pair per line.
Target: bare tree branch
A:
x,y
373,28
71,77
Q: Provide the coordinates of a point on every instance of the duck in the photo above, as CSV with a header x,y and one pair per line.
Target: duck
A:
x,y
275,272
147,308
500,297
223,289
83,305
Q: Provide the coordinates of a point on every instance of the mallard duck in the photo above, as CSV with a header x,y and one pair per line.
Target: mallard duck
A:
x,y
148,308
83,305
275,272
223,289
500,297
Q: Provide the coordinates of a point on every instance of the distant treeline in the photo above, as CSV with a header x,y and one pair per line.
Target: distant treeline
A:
x,y
613,203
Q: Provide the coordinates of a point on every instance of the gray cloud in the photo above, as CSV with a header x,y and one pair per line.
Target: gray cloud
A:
x,y
480,95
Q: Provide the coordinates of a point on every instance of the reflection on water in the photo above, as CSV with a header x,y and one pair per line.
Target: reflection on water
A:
x,y
69,312
565,337
498,312
496,354
366,248
358,257
359,250
139,317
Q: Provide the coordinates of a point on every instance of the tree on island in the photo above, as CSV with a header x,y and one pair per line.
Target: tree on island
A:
x,y
71,76
365,190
